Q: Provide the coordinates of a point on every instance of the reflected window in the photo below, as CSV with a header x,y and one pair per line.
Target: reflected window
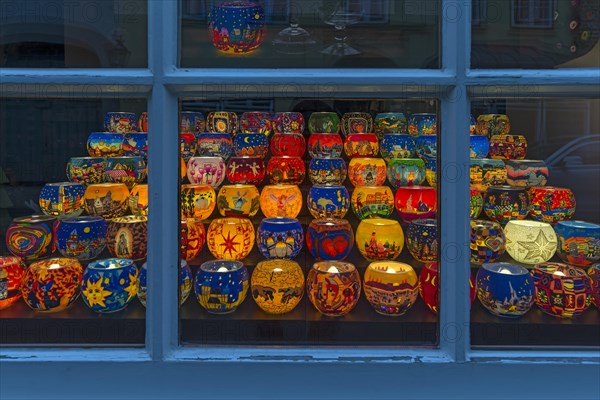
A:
x,y
533,13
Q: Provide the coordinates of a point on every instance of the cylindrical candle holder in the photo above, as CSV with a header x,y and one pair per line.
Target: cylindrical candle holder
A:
x,y
390,122
492,124
127,170
109,285
230,238
279,238
329,238
288,144
223,122
332,201
391,287
486,172
333,287
277,286
82,238
281,201
289,122
215,145
221,285
421,239
578,242
284,169
238,201
530,242
379,239
488,242
505,289
257,122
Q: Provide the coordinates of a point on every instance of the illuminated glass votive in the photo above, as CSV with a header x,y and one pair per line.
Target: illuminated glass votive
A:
x,y
246,170
206,170
329,238
127,170
508,147
31,237
215,145
222,122
505,289
486,172
578,242
421,239
289,122
492,124
285,169
12,270
327,170
551,204
185,282
109,285
526,173
397,145
105,144
505,203
197,201
405,172
236,27
391,287
82,238
361,145
120,122
480,146
277,286
138,200
530,242
594,274
372,201
422,124
106,200
429,287
251,144
325,145
280,238
191,238
391,122
379,239
324,122
415,202
62,200
230,238
127,237
281,201
221,285
475,203
332,201
333,287
367,171
356,122
488,242
86,170
257,122
288,144
238,201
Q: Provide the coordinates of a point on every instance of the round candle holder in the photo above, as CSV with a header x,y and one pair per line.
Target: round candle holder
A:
x,y
289,122
105,144
222,122
406,172
508,147
379,239
197,201
488,242
230,238
12,270
492,124
120,122
251,144
288,144
281,201
135,144
324,122
361,145
397,145
530,242
215,145
480,146
257,122
416,202
422,124
238,201
246,170
391,287
62,200
486,172
367,171
109,285
82,238
236,27
329,238
356,122
421,239
505,289
325,145
106,200
279,238
327,170
578,242
284,169
191,238
127,237
372,202
505,203
551,204
332,201
206,170
86,170
221,285
31,237
333,287
277,286
191,122
526,173
127,170
391,122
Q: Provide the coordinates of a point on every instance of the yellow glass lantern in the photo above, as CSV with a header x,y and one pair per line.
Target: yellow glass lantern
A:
x,y
372,201
281,201
230,238
333,287
391,287
197,201
238,201
277,286
106,200
379,239
530,242
138,200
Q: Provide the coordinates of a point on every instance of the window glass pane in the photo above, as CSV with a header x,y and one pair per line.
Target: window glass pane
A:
x,y
310,34
74,34
535,222
309,167
535,34
73,201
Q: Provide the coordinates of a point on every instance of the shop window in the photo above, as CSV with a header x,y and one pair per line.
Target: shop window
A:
x,y
533,13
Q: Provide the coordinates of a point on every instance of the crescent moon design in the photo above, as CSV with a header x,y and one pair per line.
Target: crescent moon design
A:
x,y
246,139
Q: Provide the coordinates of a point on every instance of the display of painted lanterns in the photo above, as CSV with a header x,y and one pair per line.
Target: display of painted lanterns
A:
x,y
405,172
486,172
109,285
127,170
230,238
221,285
594,274
327,170
246,170
251,144
475,203
277,286
257,122
191,238
505,289
52,285
185,282
238,201
530,242
367,171
416,202
391,122
504,203
551,204
86,170
281,201
479,146
325,145
332,201
280,238
356,122
138,200
191,122
285,169
206,170
488,242
143,122
422,124
421,239
120,122
429,287
324,122
222,122
379,239
288,144
289,122
135,144
431,172
62,200
329,238
82,238
426,146
391,287
472,124
561,290
215,145
372,201
397,145
508,147
236,27
12,270
105,144
578,242
188,145
333,287
492,124
526,173
361,145
197,201
127,237
31,237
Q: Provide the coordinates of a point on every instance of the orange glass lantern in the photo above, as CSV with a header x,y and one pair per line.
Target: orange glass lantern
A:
x,y
284,169
333,287
138,200
106,200
414,202
379,239
281,201
391,287
367,171
12,270
127,237
372,201
361,145
277,286
238,201
197,201
191,238
230,238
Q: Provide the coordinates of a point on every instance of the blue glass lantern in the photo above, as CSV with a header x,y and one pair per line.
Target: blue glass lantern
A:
x,y
421,239
422,124
185,282
251,144
578,242
480,146
105,144
62,200
236,27
215,145
329,238
82,238
280,238
135,144
397,145
331,201
192,122
221,285
505,289
109,285
120,122
505,203
426,146
327,170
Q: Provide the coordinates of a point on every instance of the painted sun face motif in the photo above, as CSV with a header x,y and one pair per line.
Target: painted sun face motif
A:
x,y
95,293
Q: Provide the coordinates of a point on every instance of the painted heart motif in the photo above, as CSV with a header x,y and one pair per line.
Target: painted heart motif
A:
x,y
328,247
340,244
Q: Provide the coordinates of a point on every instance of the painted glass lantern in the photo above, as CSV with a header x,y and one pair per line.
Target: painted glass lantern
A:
x,y
356,122
431,172
31,237
105,144
281,201
86,170
331,201
215,145
182,169
329,238
192,122
127,170
251,144
238,201
333,287
191,238
289,122
367,171
106,200
135,144
530,242
327,170
288,144
486,172
62,200
492,124
504,203
429,287
324,122
127,237
279,238
284,169
197,201
421,239
426,146
391,122
277,286
221,285
246,170
12,270
551,204
508,147
594,274
257,122
185,282
109,285
379,239
475,202
488,242
120,122
143,122
361,145
526,173
325,145
505,289
561,290
397,145
479,146
52,285
230,238
138,200
82,238
422,124
236,27
414,202
222,122
578,242
372,202
391,287
405,172
206,170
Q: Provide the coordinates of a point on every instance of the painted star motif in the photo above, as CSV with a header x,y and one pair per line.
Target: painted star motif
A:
x,y
229,244
540,248
132,288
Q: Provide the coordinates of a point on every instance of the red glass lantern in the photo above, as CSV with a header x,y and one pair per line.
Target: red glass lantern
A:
x,y
12,270
192,238
325,145
256,122
429,286
551,204
284,169
246,170
361,145
288,144
414,202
